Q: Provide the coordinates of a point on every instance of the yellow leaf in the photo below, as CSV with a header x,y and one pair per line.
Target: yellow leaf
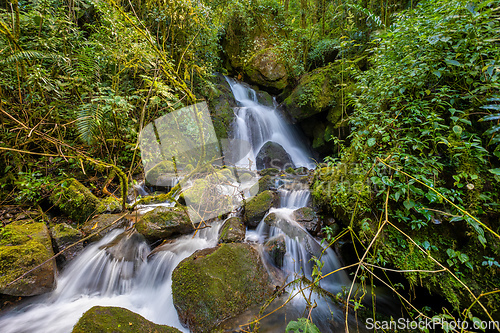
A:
x,y
95,226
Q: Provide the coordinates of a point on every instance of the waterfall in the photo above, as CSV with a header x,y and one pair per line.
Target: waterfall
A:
x,y
115,271
258,124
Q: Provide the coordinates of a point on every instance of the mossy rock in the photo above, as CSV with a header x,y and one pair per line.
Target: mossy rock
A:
x,y
221,102
23,246
318,91
100,319
265,183
110,204
269,171
63,235
161,174
215,284
257,207
232,231
102,221
75,200
266,69
164,222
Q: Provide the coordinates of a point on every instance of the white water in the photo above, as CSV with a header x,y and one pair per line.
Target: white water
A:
x,y
116,275
258,124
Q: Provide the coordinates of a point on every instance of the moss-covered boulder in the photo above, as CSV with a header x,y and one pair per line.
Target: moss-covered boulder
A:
x,y
307,218
273,155
75,200
100,319
111,221
232,231
257,207
266,69
109,205
265,183
23,246
318,91
162,174
63,236
215,284
164,222
269,171
220,102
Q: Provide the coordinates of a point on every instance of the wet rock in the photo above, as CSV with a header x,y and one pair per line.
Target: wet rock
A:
x,y
164,222
257,207
273,155
112,221
162,174
221,103
307,218
218,283
232,231
124,246
269,171
63,236
117,320
275,248
23,246
264,183
75,200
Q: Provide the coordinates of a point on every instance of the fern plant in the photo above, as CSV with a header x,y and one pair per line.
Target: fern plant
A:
x,y
495,129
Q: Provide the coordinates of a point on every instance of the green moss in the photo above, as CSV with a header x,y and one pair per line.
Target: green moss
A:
x,y
75,200
232,231
101,319
264,184
109,204
23,246
163,222
215,284
256,208
65,232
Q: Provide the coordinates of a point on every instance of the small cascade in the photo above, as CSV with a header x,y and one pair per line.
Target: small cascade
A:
x,y
258,124
294,199
119,270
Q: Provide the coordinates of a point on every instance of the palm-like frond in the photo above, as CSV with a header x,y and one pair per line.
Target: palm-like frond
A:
x,y
90,118
19,56
494,130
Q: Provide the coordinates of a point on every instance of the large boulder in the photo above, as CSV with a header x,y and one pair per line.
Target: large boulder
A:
x,y
65,238
75,200
273,155
24,245
232,231
221,102
100,319
266,69
257,207
218,283
307,218
107,222
164,222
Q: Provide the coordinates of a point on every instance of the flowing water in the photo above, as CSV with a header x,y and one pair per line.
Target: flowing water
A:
x,y
257,124
121,270
115,271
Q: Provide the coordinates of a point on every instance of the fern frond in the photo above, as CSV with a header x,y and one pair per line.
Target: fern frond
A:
x,y
19,56
90,118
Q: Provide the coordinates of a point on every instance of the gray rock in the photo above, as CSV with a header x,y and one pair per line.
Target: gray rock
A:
x,y
232,231
273,155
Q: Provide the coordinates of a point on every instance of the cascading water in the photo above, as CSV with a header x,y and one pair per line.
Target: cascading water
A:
x,y
115,271
258,124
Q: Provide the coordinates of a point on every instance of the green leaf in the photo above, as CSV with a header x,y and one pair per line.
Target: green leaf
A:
x,y
409,204
457,129
452,62
371,142
495,171
437,73
301,326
